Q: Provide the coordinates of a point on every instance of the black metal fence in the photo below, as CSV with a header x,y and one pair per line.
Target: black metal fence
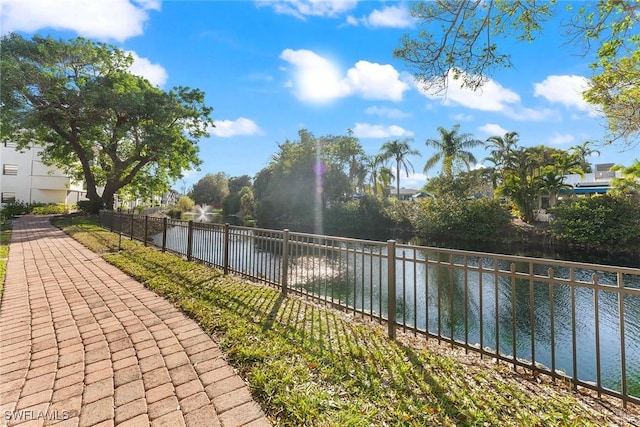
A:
x,y
574,321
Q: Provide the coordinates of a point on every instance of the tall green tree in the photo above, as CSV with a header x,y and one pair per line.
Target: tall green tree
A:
x,y
582,152
501,146
231,203
464,40
379,175
94,118
452,149
299,182
629,181
210,189
398,151
346,151
530,172
521,182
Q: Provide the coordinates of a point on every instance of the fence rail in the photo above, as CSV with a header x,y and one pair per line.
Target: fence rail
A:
x,y
573,321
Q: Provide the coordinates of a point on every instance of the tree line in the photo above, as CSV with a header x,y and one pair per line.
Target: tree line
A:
x,y
114,130
328,184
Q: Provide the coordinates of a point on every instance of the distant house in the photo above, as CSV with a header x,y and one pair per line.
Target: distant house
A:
x,y
25,178
597,182
405,193
165,199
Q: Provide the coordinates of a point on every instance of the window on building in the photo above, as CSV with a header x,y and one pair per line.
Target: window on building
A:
x,y
8,197
9,169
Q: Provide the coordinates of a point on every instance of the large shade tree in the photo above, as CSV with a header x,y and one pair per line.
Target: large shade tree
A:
x,y
211,189
92,117
302,178
465,40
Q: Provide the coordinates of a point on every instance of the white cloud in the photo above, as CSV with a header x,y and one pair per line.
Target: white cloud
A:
x,y
319,80
389,17
492,129
100,19
414,180
565,90
530,114
303,8
462,117
391,113
559,138
492,96
239,126
365,130
375,81
155,73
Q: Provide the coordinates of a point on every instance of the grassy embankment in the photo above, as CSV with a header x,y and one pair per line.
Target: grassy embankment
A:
x,y
5,238
308,365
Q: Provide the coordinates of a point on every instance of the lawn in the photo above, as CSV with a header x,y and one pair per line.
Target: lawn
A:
x,y
310,365
5,238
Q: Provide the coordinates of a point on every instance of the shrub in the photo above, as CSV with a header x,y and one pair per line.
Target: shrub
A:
x,y
400,213
185,204
174,213
479,219
597,220
48,209
13,209
358,218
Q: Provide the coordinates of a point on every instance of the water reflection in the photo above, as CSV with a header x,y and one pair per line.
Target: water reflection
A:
x,y
522,307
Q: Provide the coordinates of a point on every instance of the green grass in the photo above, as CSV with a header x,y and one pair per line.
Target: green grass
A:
x,y
5,238
308,365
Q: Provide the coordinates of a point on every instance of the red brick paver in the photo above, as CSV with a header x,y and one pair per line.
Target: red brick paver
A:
x,y
83,344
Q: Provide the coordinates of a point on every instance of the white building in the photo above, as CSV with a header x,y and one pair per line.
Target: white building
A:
x,y
597,182
25,178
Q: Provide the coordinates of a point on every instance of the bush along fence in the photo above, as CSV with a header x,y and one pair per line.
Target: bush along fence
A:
x,y
573,321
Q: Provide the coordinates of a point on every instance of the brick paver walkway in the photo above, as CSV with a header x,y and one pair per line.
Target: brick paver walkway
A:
x,y
83,344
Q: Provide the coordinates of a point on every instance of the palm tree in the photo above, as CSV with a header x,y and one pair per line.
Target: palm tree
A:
x,y
553,183
374,165
494,171
398,151
582,151
451,148
385,177
502,146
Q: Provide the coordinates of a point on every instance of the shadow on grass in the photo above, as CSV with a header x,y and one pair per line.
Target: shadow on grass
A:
x,y
312,365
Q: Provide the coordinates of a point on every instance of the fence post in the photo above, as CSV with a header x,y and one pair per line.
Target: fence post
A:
x,y
285,262
121,228
225,255
164,234
146,228
131,227
391,288
189,240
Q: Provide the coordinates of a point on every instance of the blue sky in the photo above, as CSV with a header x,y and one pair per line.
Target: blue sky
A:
x,y
271,68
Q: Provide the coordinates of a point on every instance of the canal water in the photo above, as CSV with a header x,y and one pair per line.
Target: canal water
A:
x,y
472,305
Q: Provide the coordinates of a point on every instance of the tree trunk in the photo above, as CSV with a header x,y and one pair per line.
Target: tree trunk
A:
x,y
398,179
108,197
